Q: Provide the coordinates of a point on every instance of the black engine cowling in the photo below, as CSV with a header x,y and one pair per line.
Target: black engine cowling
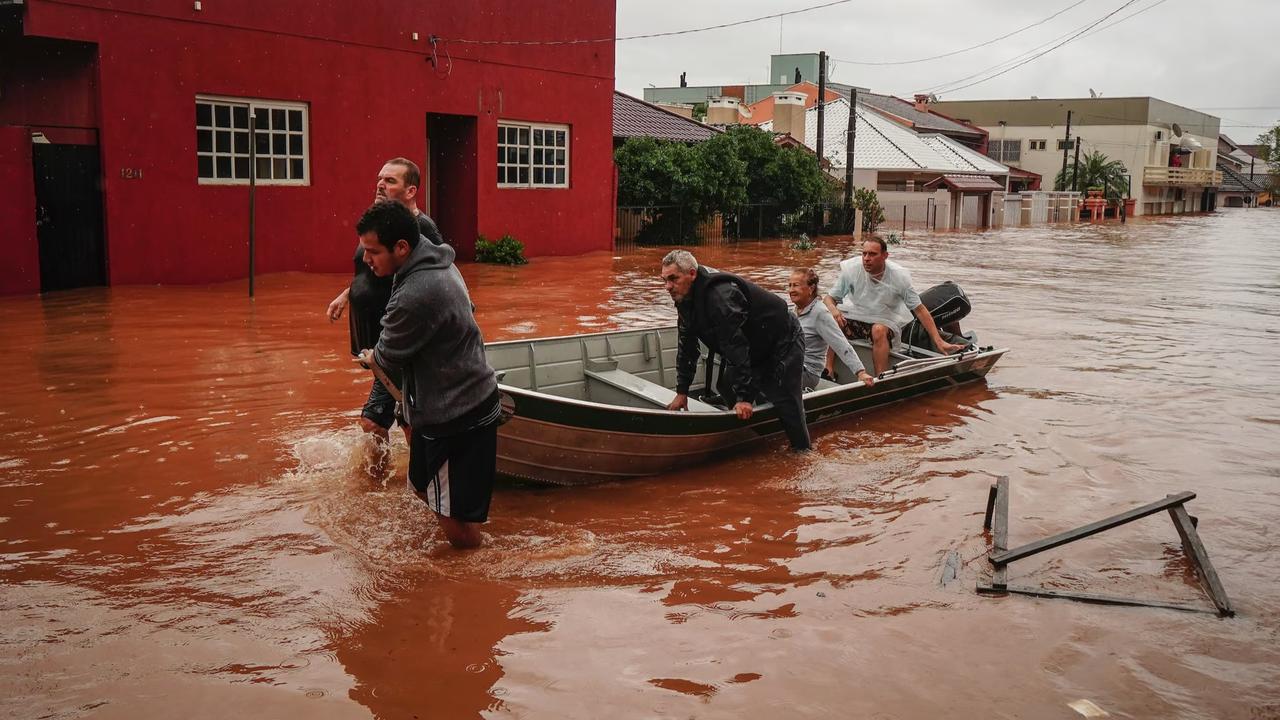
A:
x,y
948,304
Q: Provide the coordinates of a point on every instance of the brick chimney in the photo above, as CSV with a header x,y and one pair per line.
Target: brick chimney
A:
x,y
724,111
922,103
788,114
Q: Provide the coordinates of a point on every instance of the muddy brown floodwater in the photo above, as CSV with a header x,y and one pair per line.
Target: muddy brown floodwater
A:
x,y
185,530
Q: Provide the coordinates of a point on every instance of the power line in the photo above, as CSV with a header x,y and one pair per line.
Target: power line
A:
x,y
965,50
651,35
1017,63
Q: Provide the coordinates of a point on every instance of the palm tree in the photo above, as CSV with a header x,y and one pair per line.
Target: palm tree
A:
x,y
1096,171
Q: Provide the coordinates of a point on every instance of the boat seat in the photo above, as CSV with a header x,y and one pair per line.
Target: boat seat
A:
x,y
608,373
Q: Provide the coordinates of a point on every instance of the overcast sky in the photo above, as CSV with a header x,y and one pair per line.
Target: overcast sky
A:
x,y
1217,57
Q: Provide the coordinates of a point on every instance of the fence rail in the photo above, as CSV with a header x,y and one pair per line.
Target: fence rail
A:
x,y
639,226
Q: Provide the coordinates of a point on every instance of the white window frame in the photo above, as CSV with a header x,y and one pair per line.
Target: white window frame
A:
x,y
521,155
254,107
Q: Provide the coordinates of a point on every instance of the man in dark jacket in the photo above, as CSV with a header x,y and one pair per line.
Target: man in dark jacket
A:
x,y
450,394
368,294
758,339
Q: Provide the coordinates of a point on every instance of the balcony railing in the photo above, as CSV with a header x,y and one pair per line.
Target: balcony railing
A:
x,y
1180,176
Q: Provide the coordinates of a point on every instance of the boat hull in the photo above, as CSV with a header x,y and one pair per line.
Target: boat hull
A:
x,y
569,441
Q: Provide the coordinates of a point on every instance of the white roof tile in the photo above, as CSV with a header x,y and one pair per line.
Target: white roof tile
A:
x,y
882,144
964,157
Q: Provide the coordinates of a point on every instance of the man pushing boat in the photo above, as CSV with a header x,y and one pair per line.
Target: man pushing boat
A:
x,y
450,394
758,339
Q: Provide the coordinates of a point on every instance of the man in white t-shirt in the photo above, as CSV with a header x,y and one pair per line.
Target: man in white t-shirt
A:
x,y
873,299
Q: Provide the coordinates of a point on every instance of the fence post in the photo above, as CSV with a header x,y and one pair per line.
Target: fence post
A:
x,y
904,220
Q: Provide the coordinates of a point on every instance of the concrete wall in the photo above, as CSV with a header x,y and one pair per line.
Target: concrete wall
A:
x,y
921,209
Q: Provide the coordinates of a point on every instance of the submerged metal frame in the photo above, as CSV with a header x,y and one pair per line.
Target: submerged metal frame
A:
x,y
996,520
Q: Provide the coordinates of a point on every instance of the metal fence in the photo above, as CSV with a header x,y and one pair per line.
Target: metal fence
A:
x,y
642,226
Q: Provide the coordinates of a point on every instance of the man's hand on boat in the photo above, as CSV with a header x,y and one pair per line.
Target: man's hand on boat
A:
x,y
679,402
744,410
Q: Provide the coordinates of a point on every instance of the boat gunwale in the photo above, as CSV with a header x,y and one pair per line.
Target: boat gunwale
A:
x,y
963,356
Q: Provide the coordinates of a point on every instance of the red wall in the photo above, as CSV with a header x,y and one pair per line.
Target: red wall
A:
x,y
18,213
369,87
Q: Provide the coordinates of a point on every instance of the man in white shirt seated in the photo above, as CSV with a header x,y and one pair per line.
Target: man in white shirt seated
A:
x,y
876,300
820,331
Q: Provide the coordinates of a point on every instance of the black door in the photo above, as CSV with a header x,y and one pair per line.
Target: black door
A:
x,y
69,216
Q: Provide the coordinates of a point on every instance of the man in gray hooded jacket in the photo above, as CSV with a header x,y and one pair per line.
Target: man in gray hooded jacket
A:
x,y
450,394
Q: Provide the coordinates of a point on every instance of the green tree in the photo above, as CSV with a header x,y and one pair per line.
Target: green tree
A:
x,y
1270,152
1096,171
787,177
1270,146
692,183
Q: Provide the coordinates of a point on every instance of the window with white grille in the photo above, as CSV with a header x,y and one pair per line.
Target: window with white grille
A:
x,y
1005,150
533,155
280,141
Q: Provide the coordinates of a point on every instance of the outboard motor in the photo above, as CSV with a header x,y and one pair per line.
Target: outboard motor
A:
x,y
948,304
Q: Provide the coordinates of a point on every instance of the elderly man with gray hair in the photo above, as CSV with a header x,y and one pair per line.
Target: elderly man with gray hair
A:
x,y
758,339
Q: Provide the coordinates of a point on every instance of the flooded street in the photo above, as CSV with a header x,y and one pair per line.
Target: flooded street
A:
x,y
187,530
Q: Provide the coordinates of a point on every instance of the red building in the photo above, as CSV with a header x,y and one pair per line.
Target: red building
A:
x,y
125,135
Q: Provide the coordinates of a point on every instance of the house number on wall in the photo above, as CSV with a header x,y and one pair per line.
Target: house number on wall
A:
x,y
131,173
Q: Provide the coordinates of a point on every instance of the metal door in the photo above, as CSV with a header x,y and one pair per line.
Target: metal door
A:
x,y
69,216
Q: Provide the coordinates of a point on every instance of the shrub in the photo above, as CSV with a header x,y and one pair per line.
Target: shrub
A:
x,y
804,243
506,250
865,200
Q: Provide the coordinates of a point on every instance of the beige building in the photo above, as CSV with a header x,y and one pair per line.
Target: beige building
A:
x,y
1170,151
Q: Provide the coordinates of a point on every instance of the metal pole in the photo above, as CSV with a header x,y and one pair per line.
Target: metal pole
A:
x,y
904,220
1075,170
850,136
822,101
253,186
1065,146
822,92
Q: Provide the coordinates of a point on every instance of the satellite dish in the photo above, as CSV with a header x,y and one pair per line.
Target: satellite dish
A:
x,y
1177,130
1092,94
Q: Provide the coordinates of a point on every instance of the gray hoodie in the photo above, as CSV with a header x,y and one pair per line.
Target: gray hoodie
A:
x,y
430,334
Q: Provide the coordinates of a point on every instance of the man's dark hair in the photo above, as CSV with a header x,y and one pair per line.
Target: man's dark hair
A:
x,y
412,174
884,248
391,222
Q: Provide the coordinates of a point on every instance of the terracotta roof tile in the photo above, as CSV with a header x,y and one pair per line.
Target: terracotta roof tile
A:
x,y
633,117
966,183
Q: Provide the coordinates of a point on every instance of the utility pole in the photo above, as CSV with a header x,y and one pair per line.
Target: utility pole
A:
x,y
1075,170
822,92
822,101
850,135
1065,145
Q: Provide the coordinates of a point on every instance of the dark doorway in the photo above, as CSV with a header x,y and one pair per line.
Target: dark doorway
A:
x,y
69,216
451,179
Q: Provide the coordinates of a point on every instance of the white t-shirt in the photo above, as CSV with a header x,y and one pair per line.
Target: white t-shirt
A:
x,y
887,301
